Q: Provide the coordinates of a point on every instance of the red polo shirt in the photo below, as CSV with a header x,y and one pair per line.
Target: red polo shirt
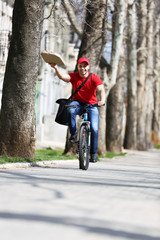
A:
x,y
87,94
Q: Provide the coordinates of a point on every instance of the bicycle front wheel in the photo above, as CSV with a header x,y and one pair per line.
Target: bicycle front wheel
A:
x,y
84,147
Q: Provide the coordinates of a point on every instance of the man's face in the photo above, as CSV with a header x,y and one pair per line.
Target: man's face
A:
x,y
83,69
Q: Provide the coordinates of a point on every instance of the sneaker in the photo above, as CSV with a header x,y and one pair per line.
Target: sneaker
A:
x,y
93,158
73,138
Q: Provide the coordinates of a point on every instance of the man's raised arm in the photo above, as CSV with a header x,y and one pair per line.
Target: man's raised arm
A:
x,y
63,76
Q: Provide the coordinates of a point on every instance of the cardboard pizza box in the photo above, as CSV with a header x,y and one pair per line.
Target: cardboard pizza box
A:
x,y
52,58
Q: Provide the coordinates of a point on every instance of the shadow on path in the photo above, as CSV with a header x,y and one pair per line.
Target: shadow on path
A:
x,y
77,223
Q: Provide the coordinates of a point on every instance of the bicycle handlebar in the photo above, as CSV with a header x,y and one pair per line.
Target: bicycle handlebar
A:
x,y
91,105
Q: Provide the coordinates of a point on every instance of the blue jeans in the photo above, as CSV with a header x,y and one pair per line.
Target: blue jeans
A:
x,y
93,117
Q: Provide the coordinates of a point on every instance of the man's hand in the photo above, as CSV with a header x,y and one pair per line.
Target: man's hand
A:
x,y
101,103
53,65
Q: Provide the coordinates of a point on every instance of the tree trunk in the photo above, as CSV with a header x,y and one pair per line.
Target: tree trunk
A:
x,y
117,39
156,112
102,114
131,125
115,103
141,74
149,78
115,114
17,118
94,35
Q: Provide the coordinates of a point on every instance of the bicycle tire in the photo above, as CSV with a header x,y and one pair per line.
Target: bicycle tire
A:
x,y
84,147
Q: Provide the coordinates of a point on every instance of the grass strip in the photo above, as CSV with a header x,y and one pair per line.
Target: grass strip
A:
x,y
157,146
40,155
49,154
111,155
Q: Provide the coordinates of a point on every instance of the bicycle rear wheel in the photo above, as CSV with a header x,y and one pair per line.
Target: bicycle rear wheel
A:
x,y
84,147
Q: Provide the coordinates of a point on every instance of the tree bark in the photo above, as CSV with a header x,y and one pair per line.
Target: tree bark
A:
x,y
156,112
115,103
115,114
102,113
149,77
141,74
17,118
131,125
117,40
94,34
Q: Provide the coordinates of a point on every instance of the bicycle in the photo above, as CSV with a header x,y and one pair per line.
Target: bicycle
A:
x,y
84,137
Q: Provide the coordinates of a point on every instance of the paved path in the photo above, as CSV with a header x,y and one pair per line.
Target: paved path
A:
x,y
115,199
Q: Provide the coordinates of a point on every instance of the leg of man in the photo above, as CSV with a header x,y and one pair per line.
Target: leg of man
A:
x,y
94,119
72,112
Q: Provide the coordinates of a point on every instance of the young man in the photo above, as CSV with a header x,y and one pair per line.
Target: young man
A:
x,y
86,95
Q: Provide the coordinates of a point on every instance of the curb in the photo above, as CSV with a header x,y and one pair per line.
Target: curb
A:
x,y
44,163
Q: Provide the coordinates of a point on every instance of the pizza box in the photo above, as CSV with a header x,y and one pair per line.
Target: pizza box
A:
x,y
52,58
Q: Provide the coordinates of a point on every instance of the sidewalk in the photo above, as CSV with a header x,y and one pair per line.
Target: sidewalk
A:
x,y
115,199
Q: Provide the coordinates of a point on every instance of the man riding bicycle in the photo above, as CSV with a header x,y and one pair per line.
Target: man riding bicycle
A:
x,y
86,95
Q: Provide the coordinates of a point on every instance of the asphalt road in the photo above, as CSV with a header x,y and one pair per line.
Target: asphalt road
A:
x,y
114,199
